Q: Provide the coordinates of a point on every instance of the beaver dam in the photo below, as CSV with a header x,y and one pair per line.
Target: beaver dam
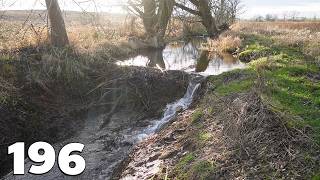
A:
x,y
159,85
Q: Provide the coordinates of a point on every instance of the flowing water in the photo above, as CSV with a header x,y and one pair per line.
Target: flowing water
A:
x,y
106,147
186,57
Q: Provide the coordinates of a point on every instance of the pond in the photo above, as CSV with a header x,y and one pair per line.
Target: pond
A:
x,y
189,57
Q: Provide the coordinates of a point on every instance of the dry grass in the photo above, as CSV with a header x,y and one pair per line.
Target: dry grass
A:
x,y
7,91
303,35
225,44
90,46
285,25
83,38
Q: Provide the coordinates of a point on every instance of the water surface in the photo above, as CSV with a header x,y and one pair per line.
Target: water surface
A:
x,y
188,57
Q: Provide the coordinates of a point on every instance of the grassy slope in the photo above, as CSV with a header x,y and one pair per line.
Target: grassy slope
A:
x,y
287,82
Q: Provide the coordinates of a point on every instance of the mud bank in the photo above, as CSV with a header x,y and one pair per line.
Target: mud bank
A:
x,y
55,109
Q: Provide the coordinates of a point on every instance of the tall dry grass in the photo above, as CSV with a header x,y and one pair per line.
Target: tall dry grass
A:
x,y
89,46
303,35
284,25
225,44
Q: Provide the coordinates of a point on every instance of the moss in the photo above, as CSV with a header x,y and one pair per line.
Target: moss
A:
x,y
203,62
211,110
235,87
203,169
236,81
197,115
181,168
204,136
189,168
254,51
285,72
6,58
316,177
290,90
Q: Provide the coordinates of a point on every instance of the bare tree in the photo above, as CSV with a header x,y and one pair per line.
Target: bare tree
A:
x,y
155,15
216,15
59,36
293,15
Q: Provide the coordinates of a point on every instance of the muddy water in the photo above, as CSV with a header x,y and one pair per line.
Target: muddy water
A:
x,y
106,146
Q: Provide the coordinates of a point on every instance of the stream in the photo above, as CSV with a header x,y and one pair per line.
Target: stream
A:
x,y
106,147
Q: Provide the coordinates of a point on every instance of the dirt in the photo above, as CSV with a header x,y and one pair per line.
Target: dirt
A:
x,y
31,114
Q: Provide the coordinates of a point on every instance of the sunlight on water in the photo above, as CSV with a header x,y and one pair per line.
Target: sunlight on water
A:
x,y
219,65
185,57
136,61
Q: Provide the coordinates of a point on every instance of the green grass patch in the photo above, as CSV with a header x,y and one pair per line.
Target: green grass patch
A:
x,y
235,87
6,57
254,51
203,169
292,91
289,88
189,168
181,168
197,115
237,81
204,136
316,177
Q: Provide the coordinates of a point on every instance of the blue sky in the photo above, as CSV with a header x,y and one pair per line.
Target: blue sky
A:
x,y
308,8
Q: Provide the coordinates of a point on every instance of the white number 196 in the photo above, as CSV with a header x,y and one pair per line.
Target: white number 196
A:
x,y
42,152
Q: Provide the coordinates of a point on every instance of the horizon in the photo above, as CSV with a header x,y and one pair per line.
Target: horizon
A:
x,y
252,8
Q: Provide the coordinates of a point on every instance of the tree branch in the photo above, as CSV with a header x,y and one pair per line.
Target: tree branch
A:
x,y
135,8
185,8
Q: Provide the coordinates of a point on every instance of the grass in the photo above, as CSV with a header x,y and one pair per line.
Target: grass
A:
x,y
288,86
316,177
235,87
203,169
286,71
284,75
254,51
182,166
281,25
225,44
204,136
188,168
237,81
197,115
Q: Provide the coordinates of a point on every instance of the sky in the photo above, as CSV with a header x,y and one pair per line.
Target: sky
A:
x,y
252,8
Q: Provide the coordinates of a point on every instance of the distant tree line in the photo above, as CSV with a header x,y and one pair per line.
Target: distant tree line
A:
x,y
286,16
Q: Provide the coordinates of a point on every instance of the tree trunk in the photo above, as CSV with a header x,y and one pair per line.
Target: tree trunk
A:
x,y
208,20
155,15
164,16
149,16
59,37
